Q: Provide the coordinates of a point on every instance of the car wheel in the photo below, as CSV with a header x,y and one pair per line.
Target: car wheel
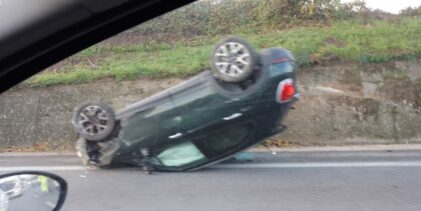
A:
x,y
233,60
94,121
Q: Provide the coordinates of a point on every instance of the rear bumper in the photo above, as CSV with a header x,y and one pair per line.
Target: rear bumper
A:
x,y
277,126
297,96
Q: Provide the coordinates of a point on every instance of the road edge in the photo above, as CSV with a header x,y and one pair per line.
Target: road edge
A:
x,y
393,147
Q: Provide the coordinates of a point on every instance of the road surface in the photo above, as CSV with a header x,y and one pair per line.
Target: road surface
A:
x,y
350,180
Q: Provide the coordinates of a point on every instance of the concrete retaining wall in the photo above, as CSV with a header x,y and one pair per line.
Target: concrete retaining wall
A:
x,y
341,104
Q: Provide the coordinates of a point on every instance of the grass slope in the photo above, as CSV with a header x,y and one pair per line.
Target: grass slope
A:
x,y
370,42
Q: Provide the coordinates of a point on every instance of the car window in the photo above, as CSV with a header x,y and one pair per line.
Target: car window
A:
x,y
206,147
180,155
222,141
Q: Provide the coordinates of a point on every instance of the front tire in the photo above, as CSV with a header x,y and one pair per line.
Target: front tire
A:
x,y
94,121
233,60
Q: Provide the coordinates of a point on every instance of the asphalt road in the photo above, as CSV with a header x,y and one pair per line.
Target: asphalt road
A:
x,y
380,180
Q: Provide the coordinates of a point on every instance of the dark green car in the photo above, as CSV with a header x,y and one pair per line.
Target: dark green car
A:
x,y
208,118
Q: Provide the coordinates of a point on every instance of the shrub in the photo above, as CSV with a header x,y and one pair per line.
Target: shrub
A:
x,y
210,17
411,11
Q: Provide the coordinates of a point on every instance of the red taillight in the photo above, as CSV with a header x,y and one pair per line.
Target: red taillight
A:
x,y
286,91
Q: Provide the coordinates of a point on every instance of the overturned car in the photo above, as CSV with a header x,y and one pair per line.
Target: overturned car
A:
x,y
237,104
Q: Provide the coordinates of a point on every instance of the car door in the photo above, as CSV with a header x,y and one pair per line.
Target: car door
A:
x,y
151,122
204,147
227,139
203,104
199,105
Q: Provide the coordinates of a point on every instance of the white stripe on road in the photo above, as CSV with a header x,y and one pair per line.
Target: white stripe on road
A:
x,y
236,166
323,165
46,168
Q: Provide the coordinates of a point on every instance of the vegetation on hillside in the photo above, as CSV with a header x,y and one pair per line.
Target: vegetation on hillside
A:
x,y
214,17
179,43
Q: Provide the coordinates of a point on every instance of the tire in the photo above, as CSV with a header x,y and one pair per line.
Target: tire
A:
x,y
94,121
233,60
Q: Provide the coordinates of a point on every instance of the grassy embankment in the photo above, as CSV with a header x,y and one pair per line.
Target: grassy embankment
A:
x,y
342,41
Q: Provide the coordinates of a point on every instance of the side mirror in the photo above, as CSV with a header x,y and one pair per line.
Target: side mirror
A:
x,y
32,190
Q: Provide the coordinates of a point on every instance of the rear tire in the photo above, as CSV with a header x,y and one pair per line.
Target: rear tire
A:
x,y
233,60
94,121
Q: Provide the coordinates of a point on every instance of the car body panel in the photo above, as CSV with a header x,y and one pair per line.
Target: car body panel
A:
x,y
154,123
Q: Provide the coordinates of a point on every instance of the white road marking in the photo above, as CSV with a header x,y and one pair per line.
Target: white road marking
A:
x,y
236,166
46,168
37,154
356,148
323,165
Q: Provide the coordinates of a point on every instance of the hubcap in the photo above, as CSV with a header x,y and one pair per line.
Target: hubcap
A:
x,y
93,120
232,59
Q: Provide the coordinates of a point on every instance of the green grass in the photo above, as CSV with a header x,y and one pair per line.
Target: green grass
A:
x,y
377,41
